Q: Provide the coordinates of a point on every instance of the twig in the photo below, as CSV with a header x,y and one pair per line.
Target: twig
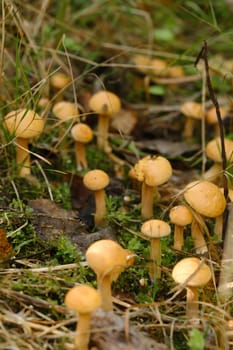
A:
x,y
203,55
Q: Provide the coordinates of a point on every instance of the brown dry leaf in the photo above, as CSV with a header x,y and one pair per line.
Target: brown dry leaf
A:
x,y
124,121
6,249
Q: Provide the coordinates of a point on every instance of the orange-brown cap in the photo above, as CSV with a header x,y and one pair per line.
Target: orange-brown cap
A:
x,y
211,116
157,171
24,123
66,110
83,299
186,267
59,80
213,150
205,198
105,102
96,180
180,215
82,132
192,109
155,228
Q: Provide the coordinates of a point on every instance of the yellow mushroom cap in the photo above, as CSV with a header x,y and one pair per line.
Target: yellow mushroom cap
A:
x,y
180,215
155,228
83,299
211,115
192,109
65,110
186,267
59,80
205,198
157,170
142,63
96,180
108,257
24,123
213,150
105,102
82,132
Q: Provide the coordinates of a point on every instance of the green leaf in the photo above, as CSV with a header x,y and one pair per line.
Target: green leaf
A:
x,y
196,340
158,90
163,34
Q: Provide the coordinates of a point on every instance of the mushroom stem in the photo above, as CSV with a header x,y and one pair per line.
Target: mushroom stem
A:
x,y
218,226
103,127
82,336
104,287
155,259
147,201
23,156
213,173
80,155
178,237
198,238
100,204
192,302
188,128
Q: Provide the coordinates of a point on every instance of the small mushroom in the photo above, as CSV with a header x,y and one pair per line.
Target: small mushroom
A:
x,y
180,216
82,134
154,230
193,273
96,180
104,103
83,299
193,111
153,171
23,124
213,152
207,200
59,81
66,111
107,259
211,117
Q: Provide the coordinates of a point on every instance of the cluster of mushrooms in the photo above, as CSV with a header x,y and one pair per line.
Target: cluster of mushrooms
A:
x,y
201,200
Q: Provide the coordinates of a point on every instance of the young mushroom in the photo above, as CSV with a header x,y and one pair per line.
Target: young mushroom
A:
x,y
107,259
193,273
23,124
207,200
66,111
153,171
104,103
180,216
83,299
96,180
192,111
213,152
82,134
154,230
58,82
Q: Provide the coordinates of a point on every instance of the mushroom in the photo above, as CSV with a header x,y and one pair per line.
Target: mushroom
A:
x,y
211,117
181,216
154,230
152,171
58,82
96,180
213,152
207,200
104,103
83,299
193,111
82,134
66,111
23,124
193,273
107,259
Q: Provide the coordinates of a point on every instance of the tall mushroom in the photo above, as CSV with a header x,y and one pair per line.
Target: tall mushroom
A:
x,y
107,259
192,111
153,171
23,124
193,273
154,230
207,200
83,299
82,134
104,103
96,180
180,216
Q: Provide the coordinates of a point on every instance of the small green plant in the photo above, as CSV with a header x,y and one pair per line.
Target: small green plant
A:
x,y
66,252
196,340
